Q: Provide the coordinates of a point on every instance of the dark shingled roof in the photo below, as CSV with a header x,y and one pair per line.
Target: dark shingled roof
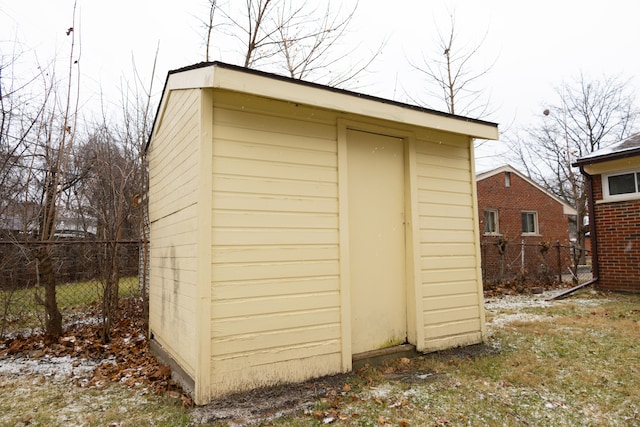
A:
x,y
632,142
625,148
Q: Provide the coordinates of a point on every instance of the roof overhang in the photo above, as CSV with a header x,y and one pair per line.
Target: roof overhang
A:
x,y
217,75
616,156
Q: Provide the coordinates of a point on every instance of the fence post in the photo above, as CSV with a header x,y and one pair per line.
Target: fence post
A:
x,y
522,256
559,262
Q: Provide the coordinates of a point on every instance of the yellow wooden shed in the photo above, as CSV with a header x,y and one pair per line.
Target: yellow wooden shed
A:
x,y
295,226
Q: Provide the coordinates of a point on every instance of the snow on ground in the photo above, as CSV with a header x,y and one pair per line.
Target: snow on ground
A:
x,y
518,302
509,308
55,368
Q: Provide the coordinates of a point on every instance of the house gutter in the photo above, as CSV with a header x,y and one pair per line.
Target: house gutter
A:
x,y
594,242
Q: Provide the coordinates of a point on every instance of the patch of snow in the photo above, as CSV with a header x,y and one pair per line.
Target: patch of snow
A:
x,y
381,392
79,321
509,308
517,302
53,367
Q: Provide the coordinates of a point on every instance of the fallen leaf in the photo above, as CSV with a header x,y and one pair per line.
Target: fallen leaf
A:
x,y
174,394
382,420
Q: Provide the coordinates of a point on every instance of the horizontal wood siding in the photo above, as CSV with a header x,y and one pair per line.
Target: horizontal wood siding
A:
x,y
275,296
173,172
448,258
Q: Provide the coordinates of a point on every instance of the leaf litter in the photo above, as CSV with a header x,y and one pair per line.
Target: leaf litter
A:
x,y
80,357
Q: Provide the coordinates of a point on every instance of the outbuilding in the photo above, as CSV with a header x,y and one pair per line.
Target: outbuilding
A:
x,y
295,228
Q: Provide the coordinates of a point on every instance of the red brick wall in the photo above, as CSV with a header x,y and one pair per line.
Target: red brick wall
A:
x,y
553,224
618,238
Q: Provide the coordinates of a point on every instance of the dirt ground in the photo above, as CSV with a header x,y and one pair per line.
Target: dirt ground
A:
x,y
263,405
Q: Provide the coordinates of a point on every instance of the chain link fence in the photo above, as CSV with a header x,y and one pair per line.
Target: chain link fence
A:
x,y
78,266
541,263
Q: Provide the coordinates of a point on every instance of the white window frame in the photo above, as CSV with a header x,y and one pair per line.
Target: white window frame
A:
x,y
496,232
606,194
536,230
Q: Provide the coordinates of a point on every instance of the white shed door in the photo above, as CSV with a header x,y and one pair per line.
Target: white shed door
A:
x,y
375,165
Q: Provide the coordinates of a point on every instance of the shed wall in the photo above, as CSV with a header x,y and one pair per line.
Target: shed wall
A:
x,y
173,198
275,298
452,298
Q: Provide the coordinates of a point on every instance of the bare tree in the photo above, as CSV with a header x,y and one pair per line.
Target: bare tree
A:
x,y
137,121
112,192
295,38
49,170
588,115
452,77
208,26
108,191
20,112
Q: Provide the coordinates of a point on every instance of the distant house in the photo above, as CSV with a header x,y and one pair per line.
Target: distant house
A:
x,y
613,175
517,216
21,219
71,224
18,219
297,228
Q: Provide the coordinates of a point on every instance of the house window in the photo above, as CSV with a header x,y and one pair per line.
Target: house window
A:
x,y
530,223
621,185
490,221
507,179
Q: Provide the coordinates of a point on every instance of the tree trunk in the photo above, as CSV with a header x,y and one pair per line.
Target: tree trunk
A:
x,y
111,287
46,277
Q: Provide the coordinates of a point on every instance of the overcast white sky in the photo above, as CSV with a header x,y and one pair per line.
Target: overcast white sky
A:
x,y
537,44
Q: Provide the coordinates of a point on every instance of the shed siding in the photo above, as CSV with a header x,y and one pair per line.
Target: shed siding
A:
x,y
173,167
275,296
448,259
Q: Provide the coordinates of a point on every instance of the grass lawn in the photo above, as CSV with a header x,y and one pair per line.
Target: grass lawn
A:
x,y
574,362
564,363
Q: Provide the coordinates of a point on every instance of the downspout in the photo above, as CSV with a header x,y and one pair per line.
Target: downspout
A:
x,y
595,265
594,242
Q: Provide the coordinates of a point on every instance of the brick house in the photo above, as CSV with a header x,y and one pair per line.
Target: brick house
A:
x,y
519,222
613,178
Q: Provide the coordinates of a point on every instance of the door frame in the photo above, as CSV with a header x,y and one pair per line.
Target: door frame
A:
x,y
415,329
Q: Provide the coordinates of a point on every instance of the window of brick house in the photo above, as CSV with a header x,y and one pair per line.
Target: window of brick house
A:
x,y
621,185
491,221
530,222
507,179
